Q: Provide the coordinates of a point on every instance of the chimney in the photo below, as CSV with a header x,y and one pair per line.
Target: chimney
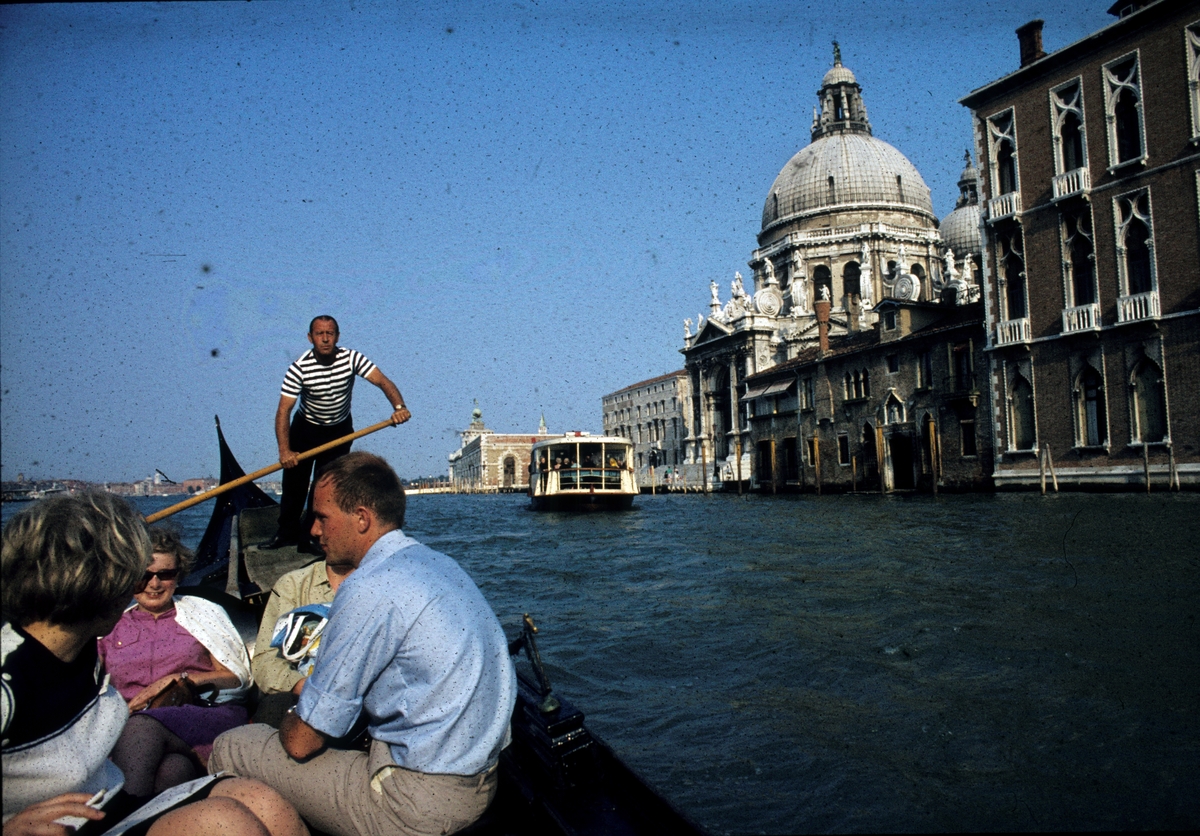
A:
x,y
1030,38
821,307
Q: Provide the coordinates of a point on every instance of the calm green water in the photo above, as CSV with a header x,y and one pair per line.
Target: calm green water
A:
x,y
866,664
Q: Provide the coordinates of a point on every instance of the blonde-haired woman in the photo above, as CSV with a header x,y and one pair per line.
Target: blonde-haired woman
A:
x,y
69,565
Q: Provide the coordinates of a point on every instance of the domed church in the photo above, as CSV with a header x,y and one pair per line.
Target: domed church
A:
x,y
846,224
962,245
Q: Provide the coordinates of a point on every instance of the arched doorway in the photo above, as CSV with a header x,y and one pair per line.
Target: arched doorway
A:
x,y
510,472
721,412
870,457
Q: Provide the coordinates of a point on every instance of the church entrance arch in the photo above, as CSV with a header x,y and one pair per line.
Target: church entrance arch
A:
x,y
721,412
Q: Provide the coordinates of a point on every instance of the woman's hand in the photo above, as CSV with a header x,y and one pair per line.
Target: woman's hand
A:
x,y
142,699
39,819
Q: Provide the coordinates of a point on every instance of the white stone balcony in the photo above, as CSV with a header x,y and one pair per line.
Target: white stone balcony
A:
x,y
1013,332
1004,206
1081,318
1138,307
1072,184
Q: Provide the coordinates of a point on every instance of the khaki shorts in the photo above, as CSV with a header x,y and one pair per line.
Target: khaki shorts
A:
x,y
351,793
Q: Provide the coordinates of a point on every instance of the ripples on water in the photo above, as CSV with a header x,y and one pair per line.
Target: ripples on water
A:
x,y
808,664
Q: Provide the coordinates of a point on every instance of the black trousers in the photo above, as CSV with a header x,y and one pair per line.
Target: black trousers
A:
x,y
295,521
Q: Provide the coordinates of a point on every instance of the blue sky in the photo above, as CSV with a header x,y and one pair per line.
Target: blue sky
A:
x,y
515,202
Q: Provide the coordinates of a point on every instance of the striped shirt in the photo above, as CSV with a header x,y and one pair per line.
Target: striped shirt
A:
x,y
324,391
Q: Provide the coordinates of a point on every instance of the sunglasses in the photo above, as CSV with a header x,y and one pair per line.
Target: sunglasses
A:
x,y
162,575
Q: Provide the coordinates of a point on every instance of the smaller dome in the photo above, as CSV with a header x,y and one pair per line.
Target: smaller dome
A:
x,y
960,231
838,75
970,173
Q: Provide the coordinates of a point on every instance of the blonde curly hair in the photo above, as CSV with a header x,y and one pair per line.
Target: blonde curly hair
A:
x,y
71,559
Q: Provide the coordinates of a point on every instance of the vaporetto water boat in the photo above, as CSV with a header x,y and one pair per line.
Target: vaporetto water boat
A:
x,y
582,472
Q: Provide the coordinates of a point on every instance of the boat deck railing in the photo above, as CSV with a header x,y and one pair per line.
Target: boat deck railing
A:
x,y
584,479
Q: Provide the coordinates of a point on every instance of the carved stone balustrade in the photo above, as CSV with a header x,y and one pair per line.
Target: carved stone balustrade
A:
x,y
1138,307
1013,332
1072,184
1081,318
1003,207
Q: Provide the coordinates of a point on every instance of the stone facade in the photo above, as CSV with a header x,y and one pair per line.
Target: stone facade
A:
x,y
1090,161
898,407
848,222
489,461
653,415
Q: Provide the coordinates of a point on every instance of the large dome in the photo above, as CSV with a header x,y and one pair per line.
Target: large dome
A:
x,y
845,170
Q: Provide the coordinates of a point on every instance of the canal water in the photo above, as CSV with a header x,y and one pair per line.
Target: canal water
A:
x,y
865,663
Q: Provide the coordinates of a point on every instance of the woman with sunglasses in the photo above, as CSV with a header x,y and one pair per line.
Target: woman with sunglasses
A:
x,y
161,640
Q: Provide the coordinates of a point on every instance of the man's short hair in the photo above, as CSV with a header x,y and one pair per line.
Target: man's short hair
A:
x,y
364,480
166,541
324,318
72,559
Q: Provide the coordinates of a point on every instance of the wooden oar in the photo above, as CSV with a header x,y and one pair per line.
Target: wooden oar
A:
x,y
258,474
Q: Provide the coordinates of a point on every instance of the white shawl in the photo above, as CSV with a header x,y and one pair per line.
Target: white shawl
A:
x,y
213,629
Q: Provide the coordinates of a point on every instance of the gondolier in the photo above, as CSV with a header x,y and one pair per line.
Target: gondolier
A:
x,y
321,381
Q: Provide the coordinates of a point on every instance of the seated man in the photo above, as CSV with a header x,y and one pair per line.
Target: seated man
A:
x,y
413,649
280,680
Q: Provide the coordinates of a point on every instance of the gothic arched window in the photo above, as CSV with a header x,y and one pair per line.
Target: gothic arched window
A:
x,y
1137,257
1067,105
1072,140
1093,421
1011,257
1123,97
1149,403
1021,414
1134,239
1081,258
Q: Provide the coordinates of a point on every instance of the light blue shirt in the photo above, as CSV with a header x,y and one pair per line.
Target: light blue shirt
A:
x,y
414,647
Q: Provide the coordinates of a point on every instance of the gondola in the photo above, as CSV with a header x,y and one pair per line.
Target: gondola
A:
x,y
556,779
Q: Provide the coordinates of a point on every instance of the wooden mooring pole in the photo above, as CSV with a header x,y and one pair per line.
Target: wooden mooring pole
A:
x,y
817,460
1046,462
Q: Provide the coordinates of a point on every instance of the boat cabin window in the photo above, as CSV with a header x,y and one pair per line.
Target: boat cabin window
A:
x,y
562,455
591,455
584,465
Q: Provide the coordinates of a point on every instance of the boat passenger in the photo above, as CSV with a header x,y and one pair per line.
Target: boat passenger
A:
x,y
69,565
166,641
279,680
412,649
